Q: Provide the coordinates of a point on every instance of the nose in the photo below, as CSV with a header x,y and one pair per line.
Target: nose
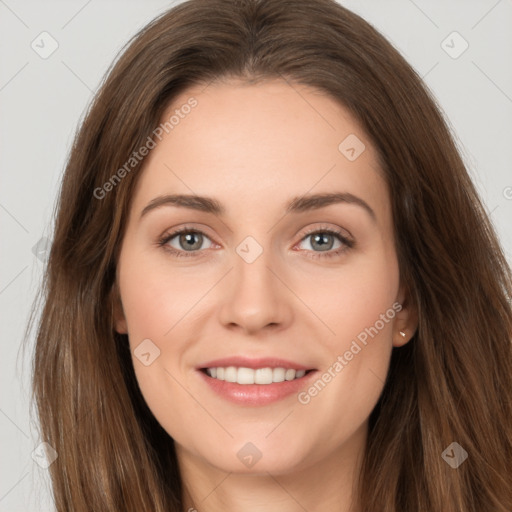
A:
x,y
255,296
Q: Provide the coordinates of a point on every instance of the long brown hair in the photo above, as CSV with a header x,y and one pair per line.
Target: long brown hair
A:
x,y
451,383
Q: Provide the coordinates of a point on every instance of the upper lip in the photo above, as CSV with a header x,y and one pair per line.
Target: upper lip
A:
x,y
254,363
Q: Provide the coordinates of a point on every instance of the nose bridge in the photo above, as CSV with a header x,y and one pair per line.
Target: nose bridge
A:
x,y
256,297
253,279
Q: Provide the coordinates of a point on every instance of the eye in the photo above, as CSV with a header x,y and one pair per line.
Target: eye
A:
x,y
188,240
323,239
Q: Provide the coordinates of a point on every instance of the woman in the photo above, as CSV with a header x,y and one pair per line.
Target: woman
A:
x,y
200,348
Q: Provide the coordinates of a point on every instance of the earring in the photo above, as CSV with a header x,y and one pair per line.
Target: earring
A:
x,y
402,333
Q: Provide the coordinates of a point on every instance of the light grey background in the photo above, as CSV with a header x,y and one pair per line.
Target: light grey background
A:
x,y
42,100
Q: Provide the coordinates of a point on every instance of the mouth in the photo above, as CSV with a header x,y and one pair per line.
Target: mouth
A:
x,y
255,382
246,376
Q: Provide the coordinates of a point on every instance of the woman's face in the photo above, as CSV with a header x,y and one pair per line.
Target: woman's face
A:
x,y
266,277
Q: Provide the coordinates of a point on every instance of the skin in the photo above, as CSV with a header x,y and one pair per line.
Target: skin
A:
x,y
253,147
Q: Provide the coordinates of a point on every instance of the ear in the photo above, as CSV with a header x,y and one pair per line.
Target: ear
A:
x,y
119,320
406,320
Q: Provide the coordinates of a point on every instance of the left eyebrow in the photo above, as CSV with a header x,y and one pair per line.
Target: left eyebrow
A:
x,y
317,201
297,204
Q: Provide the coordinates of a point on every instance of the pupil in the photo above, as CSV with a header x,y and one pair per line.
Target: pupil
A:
x,y
320,238
190,240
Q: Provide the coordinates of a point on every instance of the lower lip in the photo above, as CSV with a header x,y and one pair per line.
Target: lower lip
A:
x,y
256,394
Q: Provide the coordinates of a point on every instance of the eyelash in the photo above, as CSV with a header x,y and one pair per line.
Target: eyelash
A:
x,y
347,242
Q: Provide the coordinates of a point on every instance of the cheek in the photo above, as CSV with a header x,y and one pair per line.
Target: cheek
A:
x,y
156,305
154,296
358,308
352,299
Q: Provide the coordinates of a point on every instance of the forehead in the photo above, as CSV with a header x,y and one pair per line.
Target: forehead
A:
x,y
273,140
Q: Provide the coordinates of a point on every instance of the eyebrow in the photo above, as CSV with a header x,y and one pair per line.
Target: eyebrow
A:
x,y
295,205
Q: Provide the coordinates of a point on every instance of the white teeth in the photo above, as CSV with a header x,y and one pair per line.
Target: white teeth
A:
x,y
289,375
245,376
278,374
263,376
230,374
249,376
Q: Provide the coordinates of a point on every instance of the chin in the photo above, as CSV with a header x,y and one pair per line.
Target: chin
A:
x,y
257,457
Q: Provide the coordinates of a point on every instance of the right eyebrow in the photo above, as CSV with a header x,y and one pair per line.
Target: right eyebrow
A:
x,y
191,201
